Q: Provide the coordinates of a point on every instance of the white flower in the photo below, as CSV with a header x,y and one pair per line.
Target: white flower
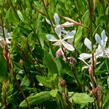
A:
x,y
57,22
62,41
84,56
88,43
101,51
62,34
56,19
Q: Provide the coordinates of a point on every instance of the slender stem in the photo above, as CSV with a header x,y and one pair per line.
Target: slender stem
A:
x,y
91,36
47,14
95,86
91,33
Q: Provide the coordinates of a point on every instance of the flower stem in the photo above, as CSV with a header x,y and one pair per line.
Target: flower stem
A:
x,y
97,91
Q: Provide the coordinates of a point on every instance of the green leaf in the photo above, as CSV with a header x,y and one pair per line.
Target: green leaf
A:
x,y
47,81
25,81
11,16
66,69
36,99
106,101
78,37
50,64
82,98
43,80
54,92
86,18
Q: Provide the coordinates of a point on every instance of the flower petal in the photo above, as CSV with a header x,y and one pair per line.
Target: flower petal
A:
x,y
107,52
68,46
58,30
85,56
51,38
67,24
58,43
7,40
98,38
56,18
99,53
104,38
70,35
88,43
64,31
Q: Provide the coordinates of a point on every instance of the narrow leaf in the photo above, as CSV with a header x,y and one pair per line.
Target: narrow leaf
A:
x,y
20,15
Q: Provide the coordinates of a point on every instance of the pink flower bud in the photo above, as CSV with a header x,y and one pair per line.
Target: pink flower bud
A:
x,y
90,70
62,82
58,53
8,60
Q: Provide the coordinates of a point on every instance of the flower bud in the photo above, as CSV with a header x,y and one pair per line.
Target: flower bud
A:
x,y
95,90
62,82
90,70
8,60
58,53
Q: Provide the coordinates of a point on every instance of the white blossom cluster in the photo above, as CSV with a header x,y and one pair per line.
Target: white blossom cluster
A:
x,y
101,50
64,36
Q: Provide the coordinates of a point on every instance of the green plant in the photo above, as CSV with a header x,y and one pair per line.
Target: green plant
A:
x,y
44,63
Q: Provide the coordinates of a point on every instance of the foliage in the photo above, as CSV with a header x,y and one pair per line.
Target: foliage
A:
x,y
54,54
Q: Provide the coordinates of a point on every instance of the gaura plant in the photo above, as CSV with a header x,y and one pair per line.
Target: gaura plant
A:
x,y
100,52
